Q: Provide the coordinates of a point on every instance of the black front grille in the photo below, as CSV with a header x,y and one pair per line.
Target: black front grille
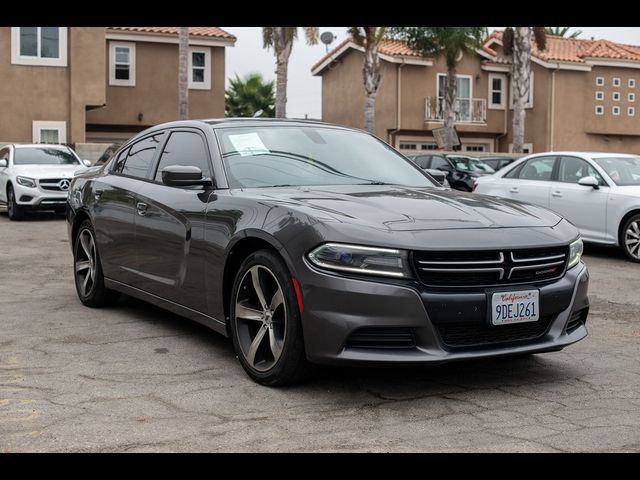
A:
x,y
577,319
50,184
489,267
479,335
381,337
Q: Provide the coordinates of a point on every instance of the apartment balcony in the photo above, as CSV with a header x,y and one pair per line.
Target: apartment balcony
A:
x,y
468,111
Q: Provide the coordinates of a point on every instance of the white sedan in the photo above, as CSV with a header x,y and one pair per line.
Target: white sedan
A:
x,y
36,177
598,192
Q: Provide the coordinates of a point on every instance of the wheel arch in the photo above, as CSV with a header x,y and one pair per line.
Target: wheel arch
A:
x,y
79,217
623,220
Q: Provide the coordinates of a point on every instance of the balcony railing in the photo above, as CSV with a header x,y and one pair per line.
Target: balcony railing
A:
x,y
467,110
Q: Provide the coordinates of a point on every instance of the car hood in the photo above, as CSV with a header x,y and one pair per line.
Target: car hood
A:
x,y
47,171
398,208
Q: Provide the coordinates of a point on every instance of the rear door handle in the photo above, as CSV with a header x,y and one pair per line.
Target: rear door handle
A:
x,y
514,190
142,208
557,193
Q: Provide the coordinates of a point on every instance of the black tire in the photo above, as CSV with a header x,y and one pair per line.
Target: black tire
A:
x,y
95,294
631,233
292,365
14,211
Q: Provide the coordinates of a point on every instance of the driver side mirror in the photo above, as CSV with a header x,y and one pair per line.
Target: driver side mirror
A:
x,y
3,163
589,181
184,176
87,163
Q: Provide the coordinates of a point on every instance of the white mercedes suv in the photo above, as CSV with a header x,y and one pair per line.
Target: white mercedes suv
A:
x,y
36,177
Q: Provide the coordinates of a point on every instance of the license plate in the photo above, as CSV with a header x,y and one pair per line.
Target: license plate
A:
x,y
515,307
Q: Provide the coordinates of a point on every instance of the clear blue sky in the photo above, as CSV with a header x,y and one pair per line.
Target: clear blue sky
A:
x,y
304,90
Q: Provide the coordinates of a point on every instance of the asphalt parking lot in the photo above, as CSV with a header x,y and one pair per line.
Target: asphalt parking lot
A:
x,y
136,378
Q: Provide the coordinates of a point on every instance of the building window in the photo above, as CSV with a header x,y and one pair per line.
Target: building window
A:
x,y
615,110
599,95
631,97
615,96
428,146
600,81
408,146
122,64
200,68
529,102
632,83
42,46
631,111
474,148
496,91
49,132
616,81
463,97
599,110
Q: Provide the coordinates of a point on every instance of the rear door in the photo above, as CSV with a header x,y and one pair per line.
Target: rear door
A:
x,y
170,224
585,207
531,182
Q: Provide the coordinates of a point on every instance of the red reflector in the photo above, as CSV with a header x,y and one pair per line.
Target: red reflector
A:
x,y
296,287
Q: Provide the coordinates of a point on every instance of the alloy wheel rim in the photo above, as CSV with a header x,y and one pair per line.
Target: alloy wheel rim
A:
x,y
85,262
632,239
260,318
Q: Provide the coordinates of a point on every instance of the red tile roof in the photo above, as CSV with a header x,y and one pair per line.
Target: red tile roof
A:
x,y
386,47
215,32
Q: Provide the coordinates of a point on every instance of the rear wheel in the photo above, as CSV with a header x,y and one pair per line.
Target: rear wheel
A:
x,y
88,270
631,238
14,211
265,321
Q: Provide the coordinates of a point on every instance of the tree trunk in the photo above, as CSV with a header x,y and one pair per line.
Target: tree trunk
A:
x,y
282,46
449,104
520,76
372,77
183,74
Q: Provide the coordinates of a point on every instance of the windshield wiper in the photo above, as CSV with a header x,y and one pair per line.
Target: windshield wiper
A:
x,y
375,182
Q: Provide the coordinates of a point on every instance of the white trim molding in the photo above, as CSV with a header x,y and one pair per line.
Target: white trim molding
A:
x,y
38,60
631,83
599,81
615,96
631,111
39,125
503,92
206,83
631,97
615,110
131,81
599,110
169,38
600,95
616,82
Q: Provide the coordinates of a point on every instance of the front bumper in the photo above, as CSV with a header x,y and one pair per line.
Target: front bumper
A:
x,y
337,306
39,199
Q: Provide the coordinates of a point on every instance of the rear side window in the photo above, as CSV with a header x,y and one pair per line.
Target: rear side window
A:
x,y
184,148
439,162
139,157
538,169
422,161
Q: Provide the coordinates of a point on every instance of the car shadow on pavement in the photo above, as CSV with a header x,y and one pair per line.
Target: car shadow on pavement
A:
x,y
603,251
36,216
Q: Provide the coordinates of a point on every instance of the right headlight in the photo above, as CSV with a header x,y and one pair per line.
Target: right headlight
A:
x,y
26,182
386,262
575,253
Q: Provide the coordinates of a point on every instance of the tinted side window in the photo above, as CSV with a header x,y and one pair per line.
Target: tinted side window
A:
x,y
184,148
538,169
573,169
515,172
422,161
119,163
439,162
140,156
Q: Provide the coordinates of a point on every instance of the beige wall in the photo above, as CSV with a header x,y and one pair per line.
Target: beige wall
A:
x,y
155,94
29,93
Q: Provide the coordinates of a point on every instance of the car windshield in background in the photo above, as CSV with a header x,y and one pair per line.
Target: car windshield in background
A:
x,y
309,155
43,156
468,164
622,170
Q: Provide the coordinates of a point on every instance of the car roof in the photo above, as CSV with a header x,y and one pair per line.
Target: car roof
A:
x,y
41,145
589,154
245,122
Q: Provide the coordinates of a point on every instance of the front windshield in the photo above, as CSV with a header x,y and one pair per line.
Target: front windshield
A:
x,y
43,156
312,155
622,170
469,164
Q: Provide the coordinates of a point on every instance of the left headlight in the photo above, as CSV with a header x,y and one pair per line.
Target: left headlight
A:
x,y
26,182
575,253
340,257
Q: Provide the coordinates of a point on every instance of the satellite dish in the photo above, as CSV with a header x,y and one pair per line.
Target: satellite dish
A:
x,y
327,38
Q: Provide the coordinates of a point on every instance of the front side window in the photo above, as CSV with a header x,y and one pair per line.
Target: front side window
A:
x,y
199,68
622,170
572,169
438,163
312,155
45,46
140,156
122,67
184,148
44,156
537,169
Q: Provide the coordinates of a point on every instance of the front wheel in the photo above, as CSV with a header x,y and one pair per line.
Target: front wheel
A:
x,y
265,321
631,238
14,211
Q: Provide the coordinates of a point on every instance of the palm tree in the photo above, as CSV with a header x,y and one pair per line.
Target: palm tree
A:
x,y
562,32
183,74
517,45
451,42
370,38
249,97
281,39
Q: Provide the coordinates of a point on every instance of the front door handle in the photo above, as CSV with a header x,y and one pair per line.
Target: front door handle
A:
x,y
557,193
142,208
514,190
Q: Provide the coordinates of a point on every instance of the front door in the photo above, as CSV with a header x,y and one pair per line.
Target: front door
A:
x,y
532,182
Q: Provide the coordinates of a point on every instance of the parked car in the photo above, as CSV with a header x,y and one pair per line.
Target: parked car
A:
x,y
305,241
36,177
438,175
461,170
498,163
598,192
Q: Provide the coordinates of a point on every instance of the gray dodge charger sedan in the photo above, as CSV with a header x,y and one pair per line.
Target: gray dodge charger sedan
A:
x,y
308,242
